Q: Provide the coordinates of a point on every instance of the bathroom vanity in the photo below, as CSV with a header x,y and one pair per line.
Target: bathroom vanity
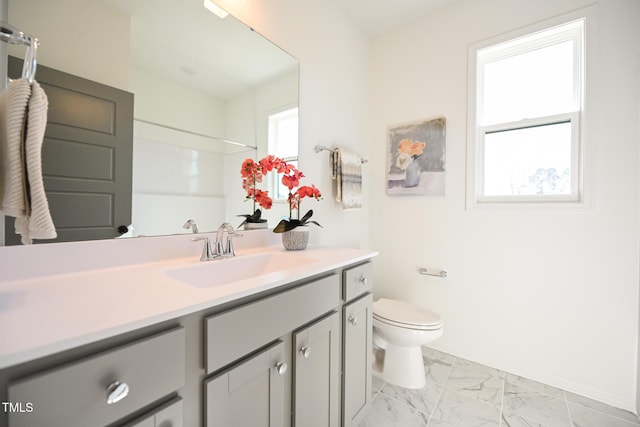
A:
x,y
268,338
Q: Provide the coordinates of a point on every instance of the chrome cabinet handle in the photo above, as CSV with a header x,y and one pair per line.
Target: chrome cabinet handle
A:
x,y
305,352
281,368
116,392
353,320
362,279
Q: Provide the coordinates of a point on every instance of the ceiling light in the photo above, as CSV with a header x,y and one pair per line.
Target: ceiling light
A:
x,y
214,8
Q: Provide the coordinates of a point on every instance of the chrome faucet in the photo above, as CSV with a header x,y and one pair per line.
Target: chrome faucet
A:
x,y
191,224
221,248
225,248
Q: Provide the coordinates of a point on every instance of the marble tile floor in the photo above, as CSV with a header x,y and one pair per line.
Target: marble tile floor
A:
x,y
460,393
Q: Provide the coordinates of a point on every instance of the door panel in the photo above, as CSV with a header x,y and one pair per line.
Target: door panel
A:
x,y
86,156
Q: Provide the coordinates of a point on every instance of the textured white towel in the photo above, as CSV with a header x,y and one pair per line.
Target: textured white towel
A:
x,y
13,107
334,159
37,224
349,179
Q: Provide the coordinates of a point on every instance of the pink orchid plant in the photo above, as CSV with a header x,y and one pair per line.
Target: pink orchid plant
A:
x,y
291,181
252,173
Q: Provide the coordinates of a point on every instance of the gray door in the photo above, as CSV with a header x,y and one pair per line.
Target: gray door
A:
x,y
249,394
357,359
316,375
86,156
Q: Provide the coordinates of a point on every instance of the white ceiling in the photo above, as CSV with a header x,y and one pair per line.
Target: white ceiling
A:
x,y
375,17
183,41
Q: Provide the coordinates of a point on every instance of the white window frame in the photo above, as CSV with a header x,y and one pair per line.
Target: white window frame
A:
x,y
507,45
273,178
570,117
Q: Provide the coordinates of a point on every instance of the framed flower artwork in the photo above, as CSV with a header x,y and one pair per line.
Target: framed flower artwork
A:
x,y
416,158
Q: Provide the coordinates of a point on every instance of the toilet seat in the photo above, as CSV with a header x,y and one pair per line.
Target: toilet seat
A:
x,y
405,315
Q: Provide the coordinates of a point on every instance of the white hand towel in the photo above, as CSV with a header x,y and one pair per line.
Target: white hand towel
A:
x,y
336,174
13,107
37,224
350,179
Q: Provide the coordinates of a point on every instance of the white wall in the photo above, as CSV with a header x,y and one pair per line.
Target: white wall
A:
x,y
165,101
638,353
549,294
334,84
85,39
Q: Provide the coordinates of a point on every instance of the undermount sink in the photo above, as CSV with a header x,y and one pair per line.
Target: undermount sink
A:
x,y
224,271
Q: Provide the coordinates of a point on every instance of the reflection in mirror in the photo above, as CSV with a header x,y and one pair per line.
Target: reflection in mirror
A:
x,y
204,89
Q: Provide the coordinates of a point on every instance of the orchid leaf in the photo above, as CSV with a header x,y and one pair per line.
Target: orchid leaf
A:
x,y
307,216
252,218
285,225
256,216
288,225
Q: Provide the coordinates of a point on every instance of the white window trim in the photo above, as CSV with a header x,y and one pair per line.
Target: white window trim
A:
x,y
273,178
582,198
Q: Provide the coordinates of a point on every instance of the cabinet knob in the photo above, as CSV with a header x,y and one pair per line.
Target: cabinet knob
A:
x,y
281,368
362,279
116,392
353,320
305,352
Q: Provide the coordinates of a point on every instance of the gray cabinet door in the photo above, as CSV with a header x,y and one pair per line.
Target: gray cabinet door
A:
x,y
87,156
357,359
168,415
316,375
249,394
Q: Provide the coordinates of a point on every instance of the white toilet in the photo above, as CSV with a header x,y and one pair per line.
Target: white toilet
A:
x,y
400,329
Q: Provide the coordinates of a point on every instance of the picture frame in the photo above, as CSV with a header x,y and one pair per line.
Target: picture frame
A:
x,y
416,158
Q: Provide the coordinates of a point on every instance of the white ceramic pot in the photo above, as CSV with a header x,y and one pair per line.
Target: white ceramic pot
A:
x,y
296,239
255,225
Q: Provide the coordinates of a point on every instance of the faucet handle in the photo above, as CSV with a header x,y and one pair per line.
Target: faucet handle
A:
x,y
207,253
229,249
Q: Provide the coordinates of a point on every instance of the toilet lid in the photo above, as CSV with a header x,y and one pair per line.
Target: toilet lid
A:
x,y
403,313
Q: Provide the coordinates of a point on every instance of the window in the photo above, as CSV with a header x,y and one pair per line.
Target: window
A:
x,y
283,143
526,116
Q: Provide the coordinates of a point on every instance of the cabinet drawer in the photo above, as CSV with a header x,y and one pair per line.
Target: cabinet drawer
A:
x,y
357,281
237,332
76,394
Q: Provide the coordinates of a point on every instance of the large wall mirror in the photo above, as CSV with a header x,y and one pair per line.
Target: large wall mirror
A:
x,y
204,90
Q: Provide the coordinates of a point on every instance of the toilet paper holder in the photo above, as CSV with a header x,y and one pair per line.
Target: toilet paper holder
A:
x,y
425,272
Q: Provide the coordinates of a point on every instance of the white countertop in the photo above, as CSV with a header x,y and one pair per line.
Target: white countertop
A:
x,y
44,315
